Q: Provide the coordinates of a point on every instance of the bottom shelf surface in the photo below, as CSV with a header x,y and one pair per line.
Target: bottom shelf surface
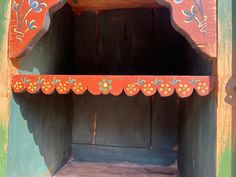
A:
x,y
87,169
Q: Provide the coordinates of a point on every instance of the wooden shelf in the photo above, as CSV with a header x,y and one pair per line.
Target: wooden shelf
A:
x,y
74,169
115,85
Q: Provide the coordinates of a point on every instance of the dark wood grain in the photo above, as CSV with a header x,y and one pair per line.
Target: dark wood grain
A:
x,y
109,154
164,122
123,121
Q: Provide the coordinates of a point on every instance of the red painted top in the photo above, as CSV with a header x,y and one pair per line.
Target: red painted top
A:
x,y
195,19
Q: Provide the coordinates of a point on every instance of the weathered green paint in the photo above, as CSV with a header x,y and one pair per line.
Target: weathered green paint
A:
x,y
225,163
3,118
39,135
227,37
3,153
3,11
39,128
234,110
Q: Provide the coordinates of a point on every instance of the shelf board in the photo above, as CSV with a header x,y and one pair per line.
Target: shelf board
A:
x,y
115,85
87,169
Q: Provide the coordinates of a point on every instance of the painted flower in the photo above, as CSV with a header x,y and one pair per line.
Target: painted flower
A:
x,y
37,5
63,88
18,86
78,88
184,89
166,89
148,89
202,88
131,89
33,87
105,85
47,87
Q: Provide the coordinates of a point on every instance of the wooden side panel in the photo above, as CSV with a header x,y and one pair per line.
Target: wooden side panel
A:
x,y
234,108
226,89
39,134
197,143
5,72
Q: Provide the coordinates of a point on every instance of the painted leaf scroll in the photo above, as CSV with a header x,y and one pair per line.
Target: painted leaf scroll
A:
x,y
30,19
196,20
115,85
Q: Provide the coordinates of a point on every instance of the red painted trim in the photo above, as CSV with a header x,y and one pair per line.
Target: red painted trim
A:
x,y
115,85
30,20
195,19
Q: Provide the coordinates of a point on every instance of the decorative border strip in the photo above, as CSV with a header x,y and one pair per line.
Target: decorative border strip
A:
x,y
115,85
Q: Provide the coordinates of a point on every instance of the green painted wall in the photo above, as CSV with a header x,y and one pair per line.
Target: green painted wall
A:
x,y
3,153
39,134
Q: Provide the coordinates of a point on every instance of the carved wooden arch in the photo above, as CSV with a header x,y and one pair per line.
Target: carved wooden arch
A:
x,y
30,19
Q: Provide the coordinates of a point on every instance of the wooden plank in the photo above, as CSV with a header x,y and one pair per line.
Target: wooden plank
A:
x,y
123,121
74,168
116,123
108,154
226,105
98,5
6,71
234,108
85,43
164,122
126,37
84,109
197,133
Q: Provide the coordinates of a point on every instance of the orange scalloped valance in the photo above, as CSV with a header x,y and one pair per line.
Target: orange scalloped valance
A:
x,y
115,85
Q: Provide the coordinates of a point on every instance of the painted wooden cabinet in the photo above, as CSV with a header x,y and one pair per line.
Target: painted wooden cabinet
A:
x,y
147,85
